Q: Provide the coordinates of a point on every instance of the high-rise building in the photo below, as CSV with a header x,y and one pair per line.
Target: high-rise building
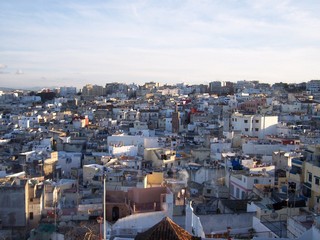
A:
x,y
215,87
67,91
313,86
93,90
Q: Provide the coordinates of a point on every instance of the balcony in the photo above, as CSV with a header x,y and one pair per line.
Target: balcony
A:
x,y
296,161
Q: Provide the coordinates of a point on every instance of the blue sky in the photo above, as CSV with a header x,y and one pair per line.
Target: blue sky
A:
x,y
71,43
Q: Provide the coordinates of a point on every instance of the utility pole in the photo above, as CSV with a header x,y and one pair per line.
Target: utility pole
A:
x,y
55,218
104,207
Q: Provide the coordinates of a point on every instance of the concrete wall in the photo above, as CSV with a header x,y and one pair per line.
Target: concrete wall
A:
x,y
201,154
261,230
33,207
12,206
146,195
220,222
154,179
72,147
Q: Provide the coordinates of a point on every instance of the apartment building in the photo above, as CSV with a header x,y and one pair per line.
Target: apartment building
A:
x,y
254,125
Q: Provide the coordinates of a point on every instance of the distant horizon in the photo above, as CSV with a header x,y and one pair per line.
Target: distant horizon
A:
x,y
171,41
33,88
80,86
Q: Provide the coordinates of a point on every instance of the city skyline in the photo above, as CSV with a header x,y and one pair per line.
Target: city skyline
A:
x,y
77,42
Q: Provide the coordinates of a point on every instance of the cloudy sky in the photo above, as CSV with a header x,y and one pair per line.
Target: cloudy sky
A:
x,y
71,43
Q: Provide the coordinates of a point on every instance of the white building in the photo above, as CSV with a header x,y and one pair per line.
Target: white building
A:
x,y
241,185
68,91
26,121
254,125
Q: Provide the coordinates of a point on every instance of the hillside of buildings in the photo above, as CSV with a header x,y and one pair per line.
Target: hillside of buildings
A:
x,y
236,160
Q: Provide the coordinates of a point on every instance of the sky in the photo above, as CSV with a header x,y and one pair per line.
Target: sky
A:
x,y
72,43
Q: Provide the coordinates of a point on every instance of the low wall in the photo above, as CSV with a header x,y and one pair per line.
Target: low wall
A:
x,y
219,222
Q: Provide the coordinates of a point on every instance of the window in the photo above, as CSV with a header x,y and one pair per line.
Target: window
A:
x,y
245,121
246,129
30,215
237,193
68,160
257,129
255,181
317,181
243,195
208,191
309,177
257,121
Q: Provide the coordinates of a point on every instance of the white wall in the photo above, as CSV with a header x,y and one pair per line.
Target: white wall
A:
x,y
24,123
216,148
151,142
126,140
69,160
124,150
169,124
252,148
